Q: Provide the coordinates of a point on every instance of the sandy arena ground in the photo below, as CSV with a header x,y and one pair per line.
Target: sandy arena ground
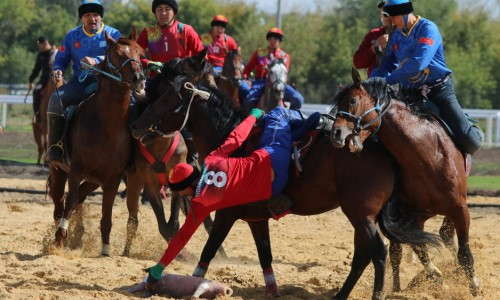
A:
x,y
312,255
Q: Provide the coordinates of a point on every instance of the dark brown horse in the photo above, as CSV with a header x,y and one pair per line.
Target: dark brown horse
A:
x,y
331,178
433,173
40,129
153,160
232,73
98,140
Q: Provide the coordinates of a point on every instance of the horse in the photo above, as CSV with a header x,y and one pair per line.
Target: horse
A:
x,y
40,129
277,76
98,140
153,160
330,178
232,73
433,171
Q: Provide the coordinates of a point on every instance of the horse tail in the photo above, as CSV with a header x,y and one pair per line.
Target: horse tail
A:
x,y
398,227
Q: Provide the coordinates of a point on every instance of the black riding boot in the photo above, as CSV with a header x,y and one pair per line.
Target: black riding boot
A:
x,y
278,205
192,155
55,150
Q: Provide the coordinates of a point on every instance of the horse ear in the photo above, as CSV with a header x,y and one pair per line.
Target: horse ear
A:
x,y
341,86
133,34
109,40
202,55
356,78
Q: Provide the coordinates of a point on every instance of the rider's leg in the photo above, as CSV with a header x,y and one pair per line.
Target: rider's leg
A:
x,y
468,137
295,98
37,98
192,155
59,100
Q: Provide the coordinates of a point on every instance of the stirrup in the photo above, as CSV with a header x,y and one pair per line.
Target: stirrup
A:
x,y
55,153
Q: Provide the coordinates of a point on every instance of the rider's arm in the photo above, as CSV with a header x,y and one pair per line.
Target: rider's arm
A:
x,y
63,55
250,65
193,42
236,137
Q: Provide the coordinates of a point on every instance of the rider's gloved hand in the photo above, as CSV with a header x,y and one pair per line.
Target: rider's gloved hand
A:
x,y
154,275
57,74
257,113
155,66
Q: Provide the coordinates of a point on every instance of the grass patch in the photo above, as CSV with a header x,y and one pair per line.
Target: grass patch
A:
x,y
488,183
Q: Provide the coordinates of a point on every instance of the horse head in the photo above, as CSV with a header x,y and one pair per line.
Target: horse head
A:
x,y
357,111
233,68
277,76
122,61
186,105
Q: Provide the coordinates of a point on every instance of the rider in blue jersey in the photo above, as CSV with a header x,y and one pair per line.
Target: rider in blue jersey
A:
x,y
415,59
85,43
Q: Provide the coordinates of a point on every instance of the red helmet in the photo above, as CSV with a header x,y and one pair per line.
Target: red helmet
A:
x,y
275,32
219,20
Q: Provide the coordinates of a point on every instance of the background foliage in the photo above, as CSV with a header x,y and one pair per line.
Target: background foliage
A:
x,y
321,44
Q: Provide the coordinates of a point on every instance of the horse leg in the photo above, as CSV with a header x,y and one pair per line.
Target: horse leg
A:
x,y
368,245
260,233
72,200
208,224
465,259
55,186
172,226
223,222
37,135
447,233
423,255
395,255
109,191
133,189
152,192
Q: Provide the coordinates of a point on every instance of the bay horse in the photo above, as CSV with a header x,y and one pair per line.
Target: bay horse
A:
x,y
331,178
153,159
277,77
40,129
433,171
232,73
98,140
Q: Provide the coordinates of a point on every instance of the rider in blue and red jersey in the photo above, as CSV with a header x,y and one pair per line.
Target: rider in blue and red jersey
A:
x,y
85,43
416,49
259,61
229,181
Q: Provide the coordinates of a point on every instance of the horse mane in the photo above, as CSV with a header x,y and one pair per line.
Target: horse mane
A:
x,y
223,115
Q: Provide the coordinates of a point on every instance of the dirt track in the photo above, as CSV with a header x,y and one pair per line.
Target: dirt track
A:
x,y
312,255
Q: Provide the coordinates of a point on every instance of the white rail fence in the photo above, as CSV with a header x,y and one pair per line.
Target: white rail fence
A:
x,y
491,117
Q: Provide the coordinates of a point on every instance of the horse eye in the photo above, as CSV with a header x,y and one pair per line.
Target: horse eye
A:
x,y
352,101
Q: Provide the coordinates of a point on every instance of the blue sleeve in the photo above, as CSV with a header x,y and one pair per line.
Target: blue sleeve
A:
x,y
63,56
427,42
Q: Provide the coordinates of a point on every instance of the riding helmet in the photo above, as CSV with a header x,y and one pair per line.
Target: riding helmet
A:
x,y
182,176
398,7
275,32
171,3
219,20
88,6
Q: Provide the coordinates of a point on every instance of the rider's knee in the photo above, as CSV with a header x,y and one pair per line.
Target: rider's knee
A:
x,y
472,141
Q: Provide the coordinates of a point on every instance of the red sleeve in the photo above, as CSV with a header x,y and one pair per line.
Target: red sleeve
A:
x,y
231,44
250,65
194,44
194,218
364,57
236,137
142,40
287,61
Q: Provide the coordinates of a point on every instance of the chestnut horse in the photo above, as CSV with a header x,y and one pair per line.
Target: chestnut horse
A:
x,y
433,172
331,178
232,73
153,160
98,140
40,129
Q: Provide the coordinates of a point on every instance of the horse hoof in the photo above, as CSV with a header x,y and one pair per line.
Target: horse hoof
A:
x,y
474,287
272,289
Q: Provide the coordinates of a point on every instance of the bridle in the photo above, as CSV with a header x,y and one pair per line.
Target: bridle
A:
x,y
113,69
380,107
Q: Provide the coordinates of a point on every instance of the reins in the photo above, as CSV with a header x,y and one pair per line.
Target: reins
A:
x,y
110,65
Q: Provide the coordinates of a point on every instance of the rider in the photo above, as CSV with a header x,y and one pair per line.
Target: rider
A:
x,y
164,41
416,47
42,63
218,43
259,61
229,181
85,43
168,38
369,53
